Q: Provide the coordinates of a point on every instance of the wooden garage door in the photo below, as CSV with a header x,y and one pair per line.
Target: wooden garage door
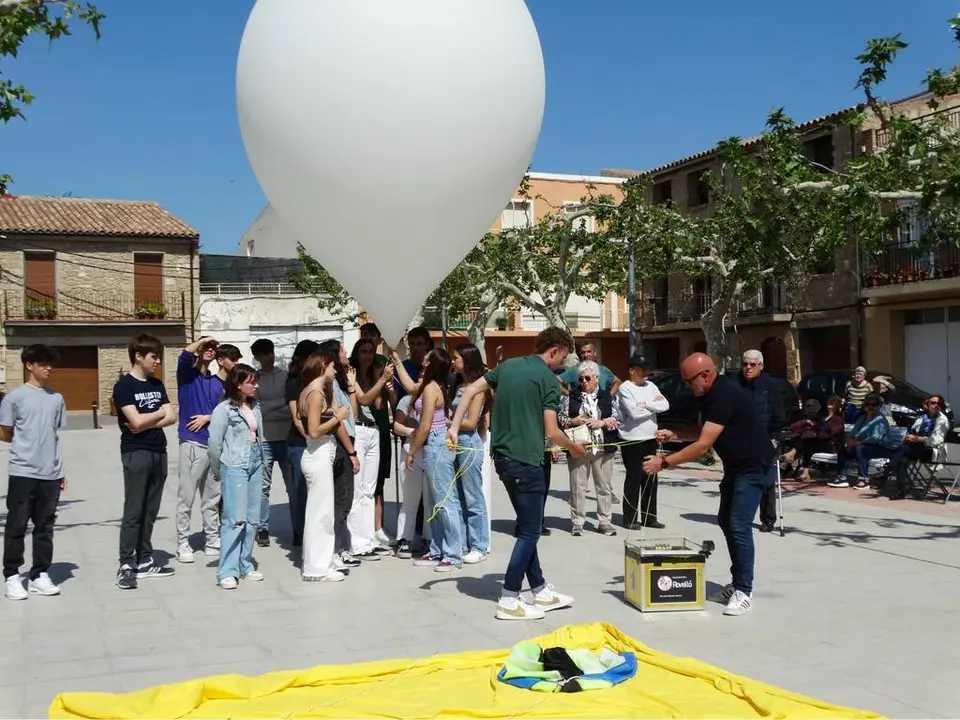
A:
x,y
76,377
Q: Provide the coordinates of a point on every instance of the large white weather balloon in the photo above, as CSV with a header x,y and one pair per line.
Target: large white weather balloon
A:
x,y
389,134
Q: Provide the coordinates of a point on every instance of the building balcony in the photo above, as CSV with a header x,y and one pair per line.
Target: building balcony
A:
x,y
92,308
896,266
658,312
949,116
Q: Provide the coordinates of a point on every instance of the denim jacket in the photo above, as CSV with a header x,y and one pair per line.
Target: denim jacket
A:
x,y
871,432
230,436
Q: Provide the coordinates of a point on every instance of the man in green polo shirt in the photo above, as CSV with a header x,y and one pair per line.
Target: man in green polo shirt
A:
x,y
588,351
524,413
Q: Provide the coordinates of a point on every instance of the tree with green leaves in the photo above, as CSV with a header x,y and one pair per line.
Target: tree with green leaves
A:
x,y
777,215
21,19
537,267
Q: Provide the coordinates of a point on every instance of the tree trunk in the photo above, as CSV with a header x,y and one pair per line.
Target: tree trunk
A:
x,y
713,323
555,316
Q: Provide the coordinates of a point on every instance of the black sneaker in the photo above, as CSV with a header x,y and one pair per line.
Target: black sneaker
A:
x,y
766,527
263,538
127,578
154,571
368,556
404,551
348,560
545,530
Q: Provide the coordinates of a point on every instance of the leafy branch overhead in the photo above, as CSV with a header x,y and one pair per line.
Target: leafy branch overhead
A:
x,y
772,215
21,19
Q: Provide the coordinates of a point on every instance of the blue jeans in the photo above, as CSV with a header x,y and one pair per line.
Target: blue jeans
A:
x,y
526,487
474,506
740,496
274,451
445,541
296,490
241,490
864,454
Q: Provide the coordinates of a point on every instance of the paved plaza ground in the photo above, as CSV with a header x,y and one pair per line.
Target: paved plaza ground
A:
x,y
856,605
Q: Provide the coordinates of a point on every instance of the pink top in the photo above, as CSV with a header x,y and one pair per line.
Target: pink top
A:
x,y
439,419
251,419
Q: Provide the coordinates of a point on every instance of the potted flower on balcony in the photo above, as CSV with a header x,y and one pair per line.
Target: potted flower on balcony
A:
x,y
151,310
40,309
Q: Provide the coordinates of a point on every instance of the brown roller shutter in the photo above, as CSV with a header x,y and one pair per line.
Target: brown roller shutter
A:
x,y
40,275
76,377
148,278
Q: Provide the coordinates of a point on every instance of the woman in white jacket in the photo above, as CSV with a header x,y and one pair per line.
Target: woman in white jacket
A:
x,y
638,402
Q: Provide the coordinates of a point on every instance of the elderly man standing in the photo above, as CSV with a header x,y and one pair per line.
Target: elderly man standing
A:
x,y
769,407
732,426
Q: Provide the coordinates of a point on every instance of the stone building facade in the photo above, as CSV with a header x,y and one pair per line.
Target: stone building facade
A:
x,y
85,276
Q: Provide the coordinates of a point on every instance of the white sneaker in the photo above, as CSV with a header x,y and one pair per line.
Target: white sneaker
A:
x,y
211,552
740,603
13,588
840,482
721,596
473,557
511,608
43,585
228,583
333,576
253,576
185,554
547,600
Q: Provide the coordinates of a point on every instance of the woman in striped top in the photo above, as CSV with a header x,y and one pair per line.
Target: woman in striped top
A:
x,y
856,392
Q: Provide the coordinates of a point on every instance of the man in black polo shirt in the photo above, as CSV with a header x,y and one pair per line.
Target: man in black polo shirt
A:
x,y
732,426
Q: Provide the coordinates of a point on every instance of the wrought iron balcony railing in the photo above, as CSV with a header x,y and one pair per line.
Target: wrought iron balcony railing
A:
x,y
896,265
92,307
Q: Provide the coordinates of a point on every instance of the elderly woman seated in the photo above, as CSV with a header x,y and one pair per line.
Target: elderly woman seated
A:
x,y
925,441
587,413
814,434
866,442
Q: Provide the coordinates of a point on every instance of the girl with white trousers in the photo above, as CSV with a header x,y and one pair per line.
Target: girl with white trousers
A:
x,y
320,418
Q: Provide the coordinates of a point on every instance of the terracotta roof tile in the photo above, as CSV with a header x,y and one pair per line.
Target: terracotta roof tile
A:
x,y
36,215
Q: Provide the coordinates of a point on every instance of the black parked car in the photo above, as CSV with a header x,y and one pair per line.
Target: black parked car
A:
x,y
683,417
906,400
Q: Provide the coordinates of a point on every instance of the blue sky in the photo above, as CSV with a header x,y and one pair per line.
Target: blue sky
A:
x,y
148,112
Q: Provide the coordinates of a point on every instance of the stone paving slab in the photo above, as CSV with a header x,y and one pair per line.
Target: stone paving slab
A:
x,y
854,606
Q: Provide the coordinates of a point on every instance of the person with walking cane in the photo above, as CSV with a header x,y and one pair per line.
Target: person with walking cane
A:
x,y
638,403
733,427
770,409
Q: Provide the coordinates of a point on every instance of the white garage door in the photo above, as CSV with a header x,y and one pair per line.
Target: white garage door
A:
x,y
932,350
285,339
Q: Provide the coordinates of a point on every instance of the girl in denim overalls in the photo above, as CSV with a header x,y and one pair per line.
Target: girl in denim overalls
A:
x,y
468,364
236,459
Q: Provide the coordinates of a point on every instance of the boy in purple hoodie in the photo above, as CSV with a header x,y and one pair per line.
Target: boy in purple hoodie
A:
x,y
199,391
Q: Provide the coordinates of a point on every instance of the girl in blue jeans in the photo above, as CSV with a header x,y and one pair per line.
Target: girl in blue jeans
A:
x,y
432,403
468,364
236,458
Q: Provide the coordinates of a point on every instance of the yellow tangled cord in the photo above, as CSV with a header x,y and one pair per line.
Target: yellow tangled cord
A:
x,y
458,473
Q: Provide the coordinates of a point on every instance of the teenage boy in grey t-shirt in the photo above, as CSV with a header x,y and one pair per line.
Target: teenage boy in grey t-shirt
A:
x,y
30,418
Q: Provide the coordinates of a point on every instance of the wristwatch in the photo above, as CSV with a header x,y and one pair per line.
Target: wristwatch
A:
x,y
353,454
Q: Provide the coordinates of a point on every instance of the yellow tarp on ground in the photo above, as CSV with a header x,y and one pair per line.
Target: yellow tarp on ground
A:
x,y
463,685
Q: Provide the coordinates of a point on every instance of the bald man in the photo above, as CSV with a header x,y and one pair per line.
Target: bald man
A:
x,y
732,426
